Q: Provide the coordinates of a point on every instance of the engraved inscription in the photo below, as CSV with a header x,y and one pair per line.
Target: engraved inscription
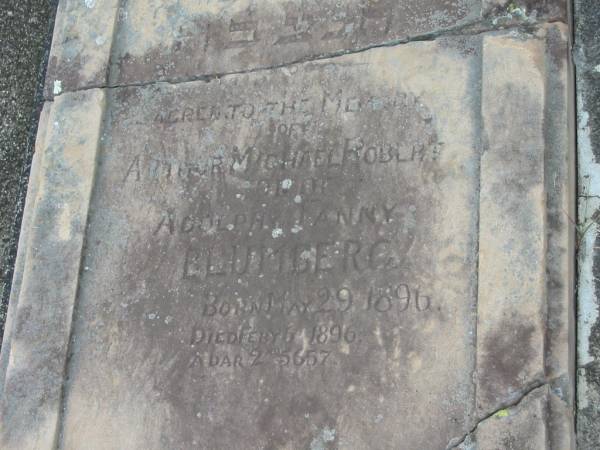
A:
x,y
227,36
294,243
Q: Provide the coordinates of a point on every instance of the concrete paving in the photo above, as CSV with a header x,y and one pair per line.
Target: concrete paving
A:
x,y
587,61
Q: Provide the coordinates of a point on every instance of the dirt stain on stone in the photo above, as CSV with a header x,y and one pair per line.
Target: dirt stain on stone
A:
x,y
507,352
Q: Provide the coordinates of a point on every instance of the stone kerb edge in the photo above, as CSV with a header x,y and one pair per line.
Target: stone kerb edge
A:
x,y
46,282
528,152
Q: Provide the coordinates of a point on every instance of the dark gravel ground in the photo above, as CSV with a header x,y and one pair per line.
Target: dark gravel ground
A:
x,y
25,36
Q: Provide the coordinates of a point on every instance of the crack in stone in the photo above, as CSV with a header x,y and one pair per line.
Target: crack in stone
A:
x,y
534,386
473,28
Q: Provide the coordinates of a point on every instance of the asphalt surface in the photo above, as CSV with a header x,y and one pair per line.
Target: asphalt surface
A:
x,y
25,35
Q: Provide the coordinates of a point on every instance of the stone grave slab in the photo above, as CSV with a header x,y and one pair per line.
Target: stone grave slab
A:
x,y
140,41
362,251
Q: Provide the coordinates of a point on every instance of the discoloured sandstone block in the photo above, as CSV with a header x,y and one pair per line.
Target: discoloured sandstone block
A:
x,y
147,40
33,361
158,41
81,46
521,427
524,89
229,36
296,215
191,39
366,251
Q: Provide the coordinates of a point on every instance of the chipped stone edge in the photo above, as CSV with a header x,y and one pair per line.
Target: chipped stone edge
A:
x,y
76,21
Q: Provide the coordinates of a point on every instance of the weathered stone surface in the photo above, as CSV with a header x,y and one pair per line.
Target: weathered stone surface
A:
x,y
521,427
228,36
146,40
525,259
47,277
158,41
81,46
363,251
282,204
190,39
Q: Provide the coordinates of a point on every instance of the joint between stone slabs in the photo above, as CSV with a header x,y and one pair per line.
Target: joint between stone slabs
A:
x,y
475,28
528,391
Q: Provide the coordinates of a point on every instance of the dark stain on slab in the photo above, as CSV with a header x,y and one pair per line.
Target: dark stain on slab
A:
x,y
506,352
